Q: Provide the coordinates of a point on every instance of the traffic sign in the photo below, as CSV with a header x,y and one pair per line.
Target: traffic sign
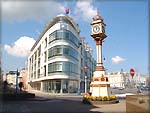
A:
x,y
132,72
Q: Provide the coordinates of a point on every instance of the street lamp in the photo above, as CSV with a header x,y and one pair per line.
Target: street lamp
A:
x,y
85,84
85,78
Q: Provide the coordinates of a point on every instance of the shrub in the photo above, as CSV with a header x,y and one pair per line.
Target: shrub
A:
x,y
141,101
100,98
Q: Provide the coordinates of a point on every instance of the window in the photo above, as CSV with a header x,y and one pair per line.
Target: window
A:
x,y
50,52
65,67
58,66
45,56
44,70
50,68
38,62
52,37
31,76
34,74
66,51
38,73
59,34
58,51
35,55
39,51
63,50
64,34
46,42
34,66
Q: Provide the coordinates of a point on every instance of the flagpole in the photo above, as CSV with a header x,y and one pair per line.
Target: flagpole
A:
x,y
67,11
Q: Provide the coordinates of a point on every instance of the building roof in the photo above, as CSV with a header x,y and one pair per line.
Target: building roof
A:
x,y
53,22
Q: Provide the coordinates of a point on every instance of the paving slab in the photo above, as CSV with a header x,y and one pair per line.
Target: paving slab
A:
x,y
111,108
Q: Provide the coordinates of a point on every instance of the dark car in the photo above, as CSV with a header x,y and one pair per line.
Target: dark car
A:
x,y
147,88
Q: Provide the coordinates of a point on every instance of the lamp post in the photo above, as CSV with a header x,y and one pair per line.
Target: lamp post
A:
x,y
79,92
85,79
85,84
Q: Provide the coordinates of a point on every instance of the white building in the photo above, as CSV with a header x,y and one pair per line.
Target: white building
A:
x,y
124,79
11,78
23,77
116,79
55,62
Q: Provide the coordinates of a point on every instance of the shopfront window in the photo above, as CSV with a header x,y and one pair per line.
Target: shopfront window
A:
x,y
52,86
60,86
65,86
72,86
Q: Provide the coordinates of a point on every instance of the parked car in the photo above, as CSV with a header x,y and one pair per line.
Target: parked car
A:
x,y
147,88
114,87
120,88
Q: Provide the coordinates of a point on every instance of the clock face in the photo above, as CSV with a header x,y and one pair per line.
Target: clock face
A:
x,y
96,29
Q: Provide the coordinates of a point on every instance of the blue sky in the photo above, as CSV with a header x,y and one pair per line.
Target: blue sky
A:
x,y
126,45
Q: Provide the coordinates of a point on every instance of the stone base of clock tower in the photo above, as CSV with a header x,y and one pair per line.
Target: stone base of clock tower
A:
x,y
100,85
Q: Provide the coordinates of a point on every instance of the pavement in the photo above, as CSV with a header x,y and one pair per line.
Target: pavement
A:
x,y
111,108
46,102
60,106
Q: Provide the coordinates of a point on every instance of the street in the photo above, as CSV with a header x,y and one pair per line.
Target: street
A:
x,y
58,104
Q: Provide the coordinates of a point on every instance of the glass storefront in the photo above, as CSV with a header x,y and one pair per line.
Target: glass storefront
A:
x,y
53,86
60,86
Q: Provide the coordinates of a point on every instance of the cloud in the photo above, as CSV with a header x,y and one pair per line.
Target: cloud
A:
x,y
29,10
85,10
22,10
117,59
21,47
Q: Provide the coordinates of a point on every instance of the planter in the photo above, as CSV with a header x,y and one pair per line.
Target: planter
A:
x,y
93,102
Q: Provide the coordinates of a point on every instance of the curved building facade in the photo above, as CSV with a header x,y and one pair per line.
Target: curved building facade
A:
x,y
54,63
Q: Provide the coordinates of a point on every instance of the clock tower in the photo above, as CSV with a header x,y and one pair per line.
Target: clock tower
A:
x,y
99,85
98,33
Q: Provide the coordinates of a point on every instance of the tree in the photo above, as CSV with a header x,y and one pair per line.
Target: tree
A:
x,y
5,86
21,85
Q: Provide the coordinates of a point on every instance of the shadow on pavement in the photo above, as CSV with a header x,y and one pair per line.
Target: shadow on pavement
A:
x,y
43,105
60,106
